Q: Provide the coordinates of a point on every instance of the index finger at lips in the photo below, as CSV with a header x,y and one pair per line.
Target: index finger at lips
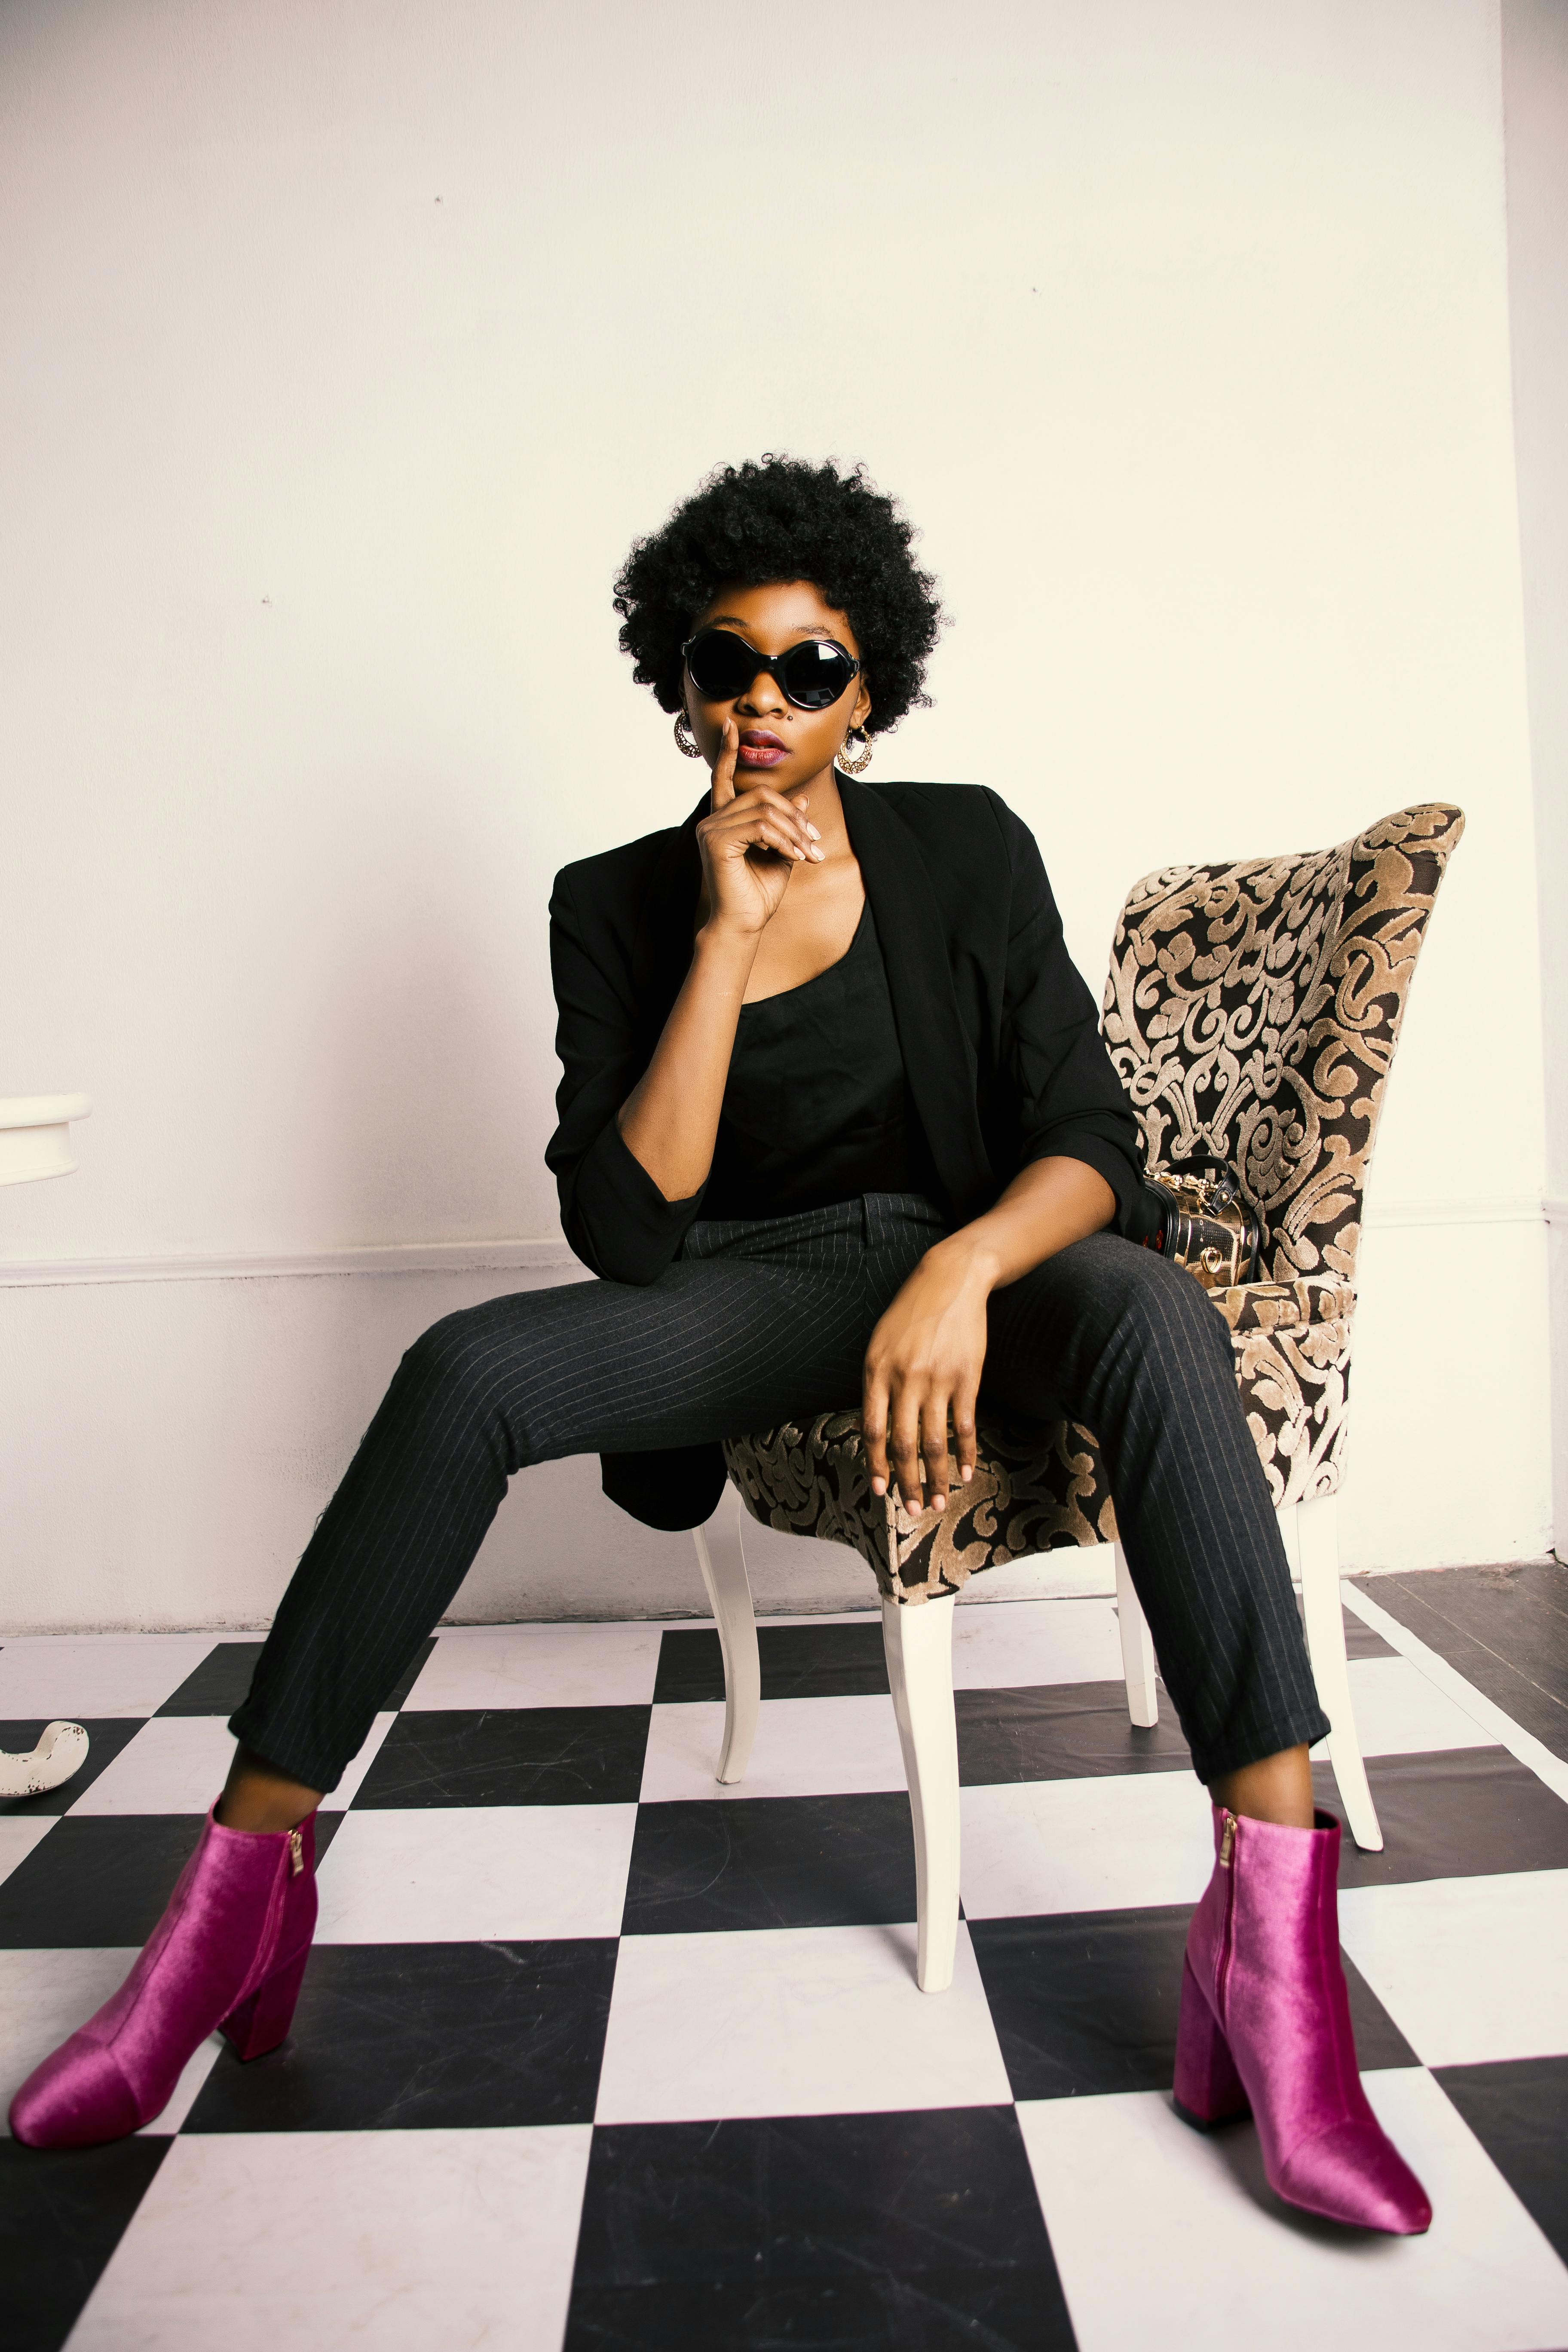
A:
x,y
724,765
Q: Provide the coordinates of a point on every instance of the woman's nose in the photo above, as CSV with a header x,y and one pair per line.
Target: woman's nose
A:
x,y
761,697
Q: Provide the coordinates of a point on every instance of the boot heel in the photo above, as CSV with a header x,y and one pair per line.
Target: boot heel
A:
x,y
260,2023
1208,2090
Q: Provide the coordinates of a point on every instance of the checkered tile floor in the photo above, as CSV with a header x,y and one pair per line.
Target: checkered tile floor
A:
x,y
593,2052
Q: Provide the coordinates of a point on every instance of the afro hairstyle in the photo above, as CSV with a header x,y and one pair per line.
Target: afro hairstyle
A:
x,y
775,519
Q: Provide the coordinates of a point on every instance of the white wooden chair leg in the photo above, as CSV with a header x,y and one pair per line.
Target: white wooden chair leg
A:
x,y
918,1645
1317,1557
1137,1649
720,1555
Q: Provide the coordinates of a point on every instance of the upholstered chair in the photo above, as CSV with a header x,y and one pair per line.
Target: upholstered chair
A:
x,y
1252,1010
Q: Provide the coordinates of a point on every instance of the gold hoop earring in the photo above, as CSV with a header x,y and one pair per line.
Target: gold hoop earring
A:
x,y
855,767
684,736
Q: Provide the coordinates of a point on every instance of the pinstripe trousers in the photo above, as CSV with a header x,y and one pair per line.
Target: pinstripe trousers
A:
x,y
767,1321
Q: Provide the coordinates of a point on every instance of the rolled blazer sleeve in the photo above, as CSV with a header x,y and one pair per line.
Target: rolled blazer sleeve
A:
x,y
612,1211
1070,1100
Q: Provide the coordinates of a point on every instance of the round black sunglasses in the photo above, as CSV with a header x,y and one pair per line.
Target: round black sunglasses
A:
x,y
812,675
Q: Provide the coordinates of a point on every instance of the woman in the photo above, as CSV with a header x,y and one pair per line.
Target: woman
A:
x,y
835,1118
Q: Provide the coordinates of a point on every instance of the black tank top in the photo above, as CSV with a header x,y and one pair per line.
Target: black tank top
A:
x,y
817,1107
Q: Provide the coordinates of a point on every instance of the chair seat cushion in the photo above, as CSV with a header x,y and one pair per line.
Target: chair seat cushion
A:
x,y
1038,1486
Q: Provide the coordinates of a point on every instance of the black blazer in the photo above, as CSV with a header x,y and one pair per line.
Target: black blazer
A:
x,y
1000,1040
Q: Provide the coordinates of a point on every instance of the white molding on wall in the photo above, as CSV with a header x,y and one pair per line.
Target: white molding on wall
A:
x,y
544,1256
551,1254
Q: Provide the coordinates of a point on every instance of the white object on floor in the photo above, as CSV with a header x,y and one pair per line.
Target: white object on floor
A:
x,y
61,1751
1164,2235
34,1136
441,2238
792,2022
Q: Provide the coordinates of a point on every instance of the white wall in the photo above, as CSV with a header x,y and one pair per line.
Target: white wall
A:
x,y
345,343
1535,99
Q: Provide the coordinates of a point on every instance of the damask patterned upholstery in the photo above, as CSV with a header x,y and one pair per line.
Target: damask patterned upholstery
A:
x,y
1251,1011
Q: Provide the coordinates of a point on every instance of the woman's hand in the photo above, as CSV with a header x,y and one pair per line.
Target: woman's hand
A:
x,y
751,843
923,1365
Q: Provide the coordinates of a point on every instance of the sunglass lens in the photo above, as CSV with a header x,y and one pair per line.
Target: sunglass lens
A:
x,y
816,674
722,665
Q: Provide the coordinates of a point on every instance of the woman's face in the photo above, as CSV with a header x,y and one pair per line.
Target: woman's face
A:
x,y
780,745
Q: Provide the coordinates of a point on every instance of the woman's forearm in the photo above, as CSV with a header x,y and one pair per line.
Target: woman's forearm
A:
x,y
670,1118
1047,1205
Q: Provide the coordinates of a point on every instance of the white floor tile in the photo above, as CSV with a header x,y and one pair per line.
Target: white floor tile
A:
x,y
46,1995
1103,1844
792,2022
1004,1644
475,1874
75,1674
1470,1970
340,1799
540,1665
18,1837
411,2241
175,1764
1166,2237
1399,1713
805,1748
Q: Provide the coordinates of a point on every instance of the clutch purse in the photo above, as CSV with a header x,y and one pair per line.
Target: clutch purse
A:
x,y
1198,1219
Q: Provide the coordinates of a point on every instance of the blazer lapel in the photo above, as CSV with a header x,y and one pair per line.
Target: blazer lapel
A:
x,y
939,1060
661,954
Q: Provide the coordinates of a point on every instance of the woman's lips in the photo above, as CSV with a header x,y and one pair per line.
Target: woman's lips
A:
x,y
761,751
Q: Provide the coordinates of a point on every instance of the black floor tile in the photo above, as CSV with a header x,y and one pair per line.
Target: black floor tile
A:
x,y
101,1878
510,1756
1519,2112
1002,2311
803,1661
62,2213
1505,1629
1459,1813
410,2036
1086,2004
104,1878
1061,1731
219,1684
107,1735
771,1861
873,2230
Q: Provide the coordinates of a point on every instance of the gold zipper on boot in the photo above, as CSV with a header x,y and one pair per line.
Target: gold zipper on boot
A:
x,y
1227,1841
296,1853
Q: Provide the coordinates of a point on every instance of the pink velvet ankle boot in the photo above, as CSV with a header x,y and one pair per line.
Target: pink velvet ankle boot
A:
x,y
230,1951
1265,2023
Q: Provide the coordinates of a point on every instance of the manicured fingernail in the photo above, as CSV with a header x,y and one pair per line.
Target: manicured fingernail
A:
x,y
813,832
818,854
879,1485
966,1473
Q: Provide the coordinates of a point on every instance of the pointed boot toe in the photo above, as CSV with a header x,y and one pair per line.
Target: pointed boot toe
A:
x,y
230,1951
77,2098
1353,2173
1265,2014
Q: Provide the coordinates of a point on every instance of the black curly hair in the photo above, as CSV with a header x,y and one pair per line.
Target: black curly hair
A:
x,y
779,519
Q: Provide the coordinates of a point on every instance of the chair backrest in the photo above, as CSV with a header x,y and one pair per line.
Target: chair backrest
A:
x,y
1252,1011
